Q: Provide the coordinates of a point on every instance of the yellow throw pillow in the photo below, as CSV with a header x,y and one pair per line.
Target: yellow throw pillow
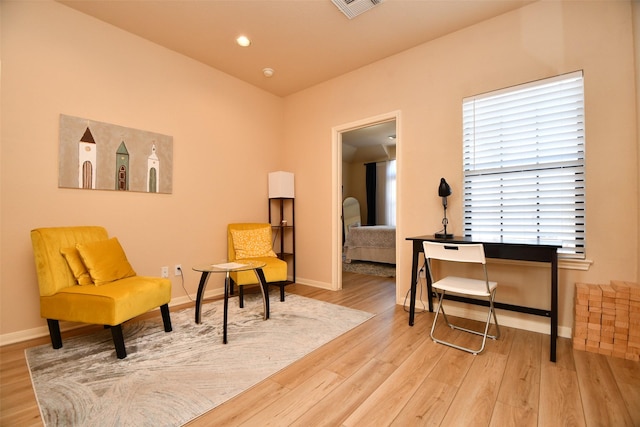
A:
x,y
77,266
252,243
105,260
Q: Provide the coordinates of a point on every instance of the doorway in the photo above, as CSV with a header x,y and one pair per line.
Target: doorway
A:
x,y
370,140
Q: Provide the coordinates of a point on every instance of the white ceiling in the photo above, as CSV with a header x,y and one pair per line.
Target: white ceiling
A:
x,y
306,42
370,143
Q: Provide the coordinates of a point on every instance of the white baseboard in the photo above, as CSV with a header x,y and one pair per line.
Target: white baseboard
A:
x,y
511,319
506,318
314,283
42,331
24,335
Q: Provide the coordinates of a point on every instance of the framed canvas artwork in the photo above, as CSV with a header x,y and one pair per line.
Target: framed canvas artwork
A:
x,y
102,156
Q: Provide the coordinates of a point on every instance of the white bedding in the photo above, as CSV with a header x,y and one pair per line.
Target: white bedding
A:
x,y
376,243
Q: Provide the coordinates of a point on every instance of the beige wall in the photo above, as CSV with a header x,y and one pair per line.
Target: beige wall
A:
x,y
226,138
427,84
55,60
636,50
355,175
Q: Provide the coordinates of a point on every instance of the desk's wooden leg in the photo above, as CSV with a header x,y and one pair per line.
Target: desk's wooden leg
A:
x,y
414,281
554,307
201,287
227,283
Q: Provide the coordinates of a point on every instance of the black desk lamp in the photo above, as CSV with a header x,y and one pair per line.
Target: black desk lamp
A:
x,y
444,191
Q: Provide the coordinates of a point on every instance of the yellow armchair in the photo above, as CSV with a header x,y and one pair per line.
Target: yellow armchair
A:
x,y
84,276
253,241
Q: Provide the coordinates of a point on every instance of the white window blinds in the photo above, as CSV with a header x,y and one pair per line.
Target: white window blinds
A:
x,y
523,155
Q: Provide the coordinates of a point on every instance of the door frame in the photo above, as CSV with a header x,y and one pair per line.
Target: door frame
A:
x,y
336,185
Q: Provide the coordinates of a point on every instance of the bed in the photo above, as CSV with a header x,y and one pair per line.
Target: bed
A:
x,y
375,243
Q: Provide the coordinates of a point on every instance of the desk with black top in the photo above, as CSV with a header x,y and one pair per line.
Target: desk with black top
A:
x,y
536,251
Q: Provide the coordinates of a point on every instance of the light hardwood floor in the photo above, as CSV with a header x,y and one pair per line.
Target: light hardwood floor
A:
x,y
385,373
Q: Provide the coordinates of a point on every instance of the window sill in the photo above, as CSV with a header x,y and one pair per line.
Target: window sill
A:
x,y
574,264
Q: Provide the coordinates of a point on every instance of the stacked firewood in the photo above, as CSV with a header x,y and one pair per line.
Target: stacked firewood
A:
x,y
607,319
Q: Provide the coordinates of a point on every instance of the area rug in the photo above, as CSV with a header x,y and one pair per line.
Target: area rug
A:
x,y
171,378
370,268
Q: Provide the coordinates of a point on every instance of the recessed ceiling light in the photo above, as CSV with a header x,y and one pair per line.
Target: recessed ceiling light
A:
x,y
243,41
268,72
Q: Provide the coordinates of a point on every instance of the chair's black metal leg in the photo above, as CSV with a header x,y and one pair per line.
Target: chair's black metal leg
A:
x,y
166,317
282,292
118,341
241,295
54,333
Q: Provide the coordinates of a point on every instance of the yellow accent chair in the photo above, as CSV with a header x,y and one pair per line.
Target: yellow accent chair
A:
x,y
84,276
253,241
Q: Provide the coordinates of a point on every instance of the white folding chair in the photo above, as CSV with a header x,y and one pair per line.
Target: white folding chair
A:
x,y
475,288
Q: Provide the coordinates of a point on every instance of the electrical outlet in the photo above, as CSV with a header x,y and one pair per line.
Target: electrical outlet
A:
x,y
178,270
164,272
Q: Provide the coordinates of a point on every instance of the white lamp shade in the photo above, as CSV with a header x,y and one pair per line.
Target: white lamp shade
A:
x,y
281,185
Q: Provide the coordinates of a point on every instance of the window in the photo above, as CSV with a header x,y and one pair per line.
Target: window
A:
x,y
391,192
385,205
523,161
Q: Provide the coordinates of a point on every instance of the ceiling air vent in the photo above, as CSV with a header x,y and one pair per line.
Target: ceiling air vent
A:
x,y
353,8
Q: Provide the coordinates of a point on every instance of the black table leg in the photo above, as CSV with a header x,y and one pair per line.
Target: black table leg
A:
x,y
264,287
554,306
414,280
227,282
201,287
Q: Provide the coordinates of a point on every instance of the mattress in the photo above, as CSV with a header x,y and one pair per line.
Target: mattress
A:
x,y
376,243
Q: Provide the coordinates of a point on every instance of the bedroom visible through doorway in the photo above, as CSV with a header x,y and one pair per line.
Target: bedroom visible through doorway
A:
x,y
367,194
